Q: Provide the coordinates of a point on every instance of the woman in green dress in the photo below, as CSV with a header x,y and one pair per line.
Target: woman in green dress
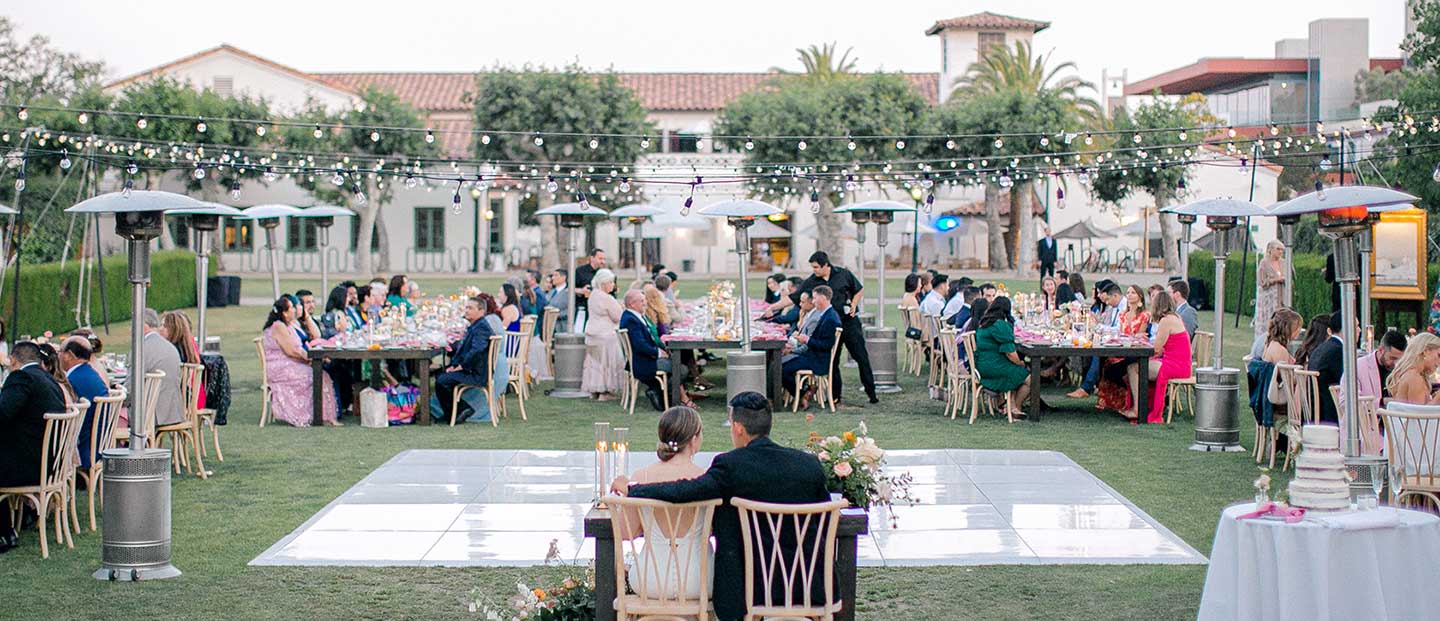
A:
x,y
997,363
398,284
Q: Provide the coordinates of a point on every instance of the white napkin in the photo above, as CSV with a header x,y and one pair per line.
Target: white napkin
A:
x,y
1358,520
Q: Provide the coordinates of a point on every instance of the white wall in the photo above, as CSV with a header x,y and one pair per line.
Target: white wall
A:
x,y
961,48
284,91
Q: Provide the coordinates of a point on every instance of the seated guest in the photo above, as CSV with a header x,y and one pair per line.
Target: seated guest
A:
x,y
1172,358
1115,391
309,325
1411,380
655,310
96,348
816,356
395,294
1049,293
773,284
1283,327
664,286
510,308
933,303
966,312
353,310
996,360
955,302
162,356
1328,361
1153,291
1180,294
680,440
989,291
1077,288
468,363
604,362
1315,335
1063,293
336,318
1373,370
1108,301
535,297
911,297
372,301
287,370
50,363
28,395
175,327
805,324
758,469
647,353
75,358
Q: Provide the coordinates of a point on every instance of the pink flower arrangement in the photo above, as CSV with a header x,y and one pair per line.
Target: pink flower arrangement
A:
x,y
855,468
843,469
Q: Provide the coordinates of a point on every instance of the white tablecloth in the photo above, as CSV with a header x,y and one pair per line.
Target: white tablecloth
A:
x,y
1261,569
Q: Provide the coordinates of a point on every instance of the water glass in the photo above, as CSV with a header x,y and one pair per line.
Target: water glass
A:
x,y
1377,480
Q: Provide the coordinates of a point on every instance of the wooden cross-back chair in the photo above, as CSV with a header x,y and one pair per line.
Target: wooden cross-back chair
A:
x,y
547,336
1180,391
977,390
821,382
914,348
266,393
930,328
1304,406
630,391
51,495
492,360
957,374
661,540
1371,441
790,552
148,400
184,436
1412,440
517,353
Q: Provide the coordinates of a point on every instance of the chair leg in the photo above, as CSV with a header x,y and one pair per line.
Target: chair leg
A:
x,y
215,437
630,397
520,398
194,440
264,404
1274,437
91,483
40,511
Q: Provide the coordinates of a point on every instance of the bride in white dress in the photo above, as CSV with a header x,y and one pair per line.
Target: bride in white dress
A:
x,y
662,565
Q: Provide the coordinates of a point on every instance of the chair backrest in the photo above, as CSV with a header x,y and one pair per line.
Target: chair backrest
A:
x,y
191,380
146,404
493,357
790,551
624,335
57,447
907,317
927,326
547,324
662,541
951,349
834,352
1367,409
260,355
1203,342
1412,442
107,414
1305,391
968,340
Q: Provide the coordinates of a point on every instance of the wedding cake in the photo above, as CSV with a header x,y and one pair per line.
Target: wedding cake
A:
x,y
1320,484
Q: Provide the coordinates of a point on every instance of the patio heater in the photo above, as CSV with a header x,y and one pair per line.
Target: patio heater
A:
x,y
744,370
268,217
1286,224
135,540
569,346
1187,223
203,220
880,340
1217,388
1365,243
636,215
1344,213
324,217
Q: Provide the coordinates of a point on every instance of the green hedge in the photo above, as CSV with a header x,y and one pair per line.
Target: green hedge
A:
x,y
48,294
1312,293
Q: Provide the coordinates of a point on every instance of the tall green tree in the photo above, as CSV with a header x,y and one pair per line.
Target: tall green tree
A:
x,y
568,100
821,63
33,69
376,157
1409,161
880,106
1157,174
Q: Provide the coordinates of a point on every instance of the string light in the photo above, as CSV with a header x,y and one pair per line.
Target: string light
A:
x,y
644,143
1435,176
814,200
1089,139
1319,190
235,190
850,143
899,145
999,143
374,136
360,198
801,145
539,140
317,133
551,185
429,136
84,118
198,173
594,144
259,130
584,202
624,184
23,114
270,175
142,123
20,181
131,168
338,179
65,159
485,139
455,201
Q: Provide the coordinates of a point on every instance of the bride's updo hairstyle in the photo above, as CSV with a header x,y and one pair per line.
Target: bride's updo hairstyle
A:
x,y
678,425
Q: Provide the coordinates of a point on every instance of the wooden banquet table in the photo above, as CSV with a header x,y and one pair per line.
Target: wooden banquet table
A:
x,y
1035,351
853,523
771,347
318,356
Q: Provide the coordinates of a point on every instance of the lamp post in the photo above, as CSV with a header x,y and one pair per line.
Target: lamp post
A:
x,y
880,340
636,215
135,542
268,217
1344,213
570,346
744,370
203,221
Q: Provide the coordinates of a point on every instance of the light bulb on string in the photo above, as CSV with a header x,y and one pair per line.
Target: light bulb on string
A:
x,y
198,173
270,174
899,145
624,184
84,118
950,144
1089,140
689,202
1244,166
259,130
23,114
338,178
1137,138
1319,190
1083,177
850,184
801,145
429,136
360,197
551,185
1006,181
142,123
644,143
1044,141
131,168
455,201
374,136
317,133
539,141
235,190
1231,132
850,143
594,144
814,201
749,144
584,202
484,138
65,159
1325,163
926,182
1183,135
1435,176
999,143
410,180
20,181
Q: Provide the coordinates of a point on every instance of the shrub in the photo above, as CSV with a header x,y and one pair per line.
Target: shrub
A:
x,y
48,294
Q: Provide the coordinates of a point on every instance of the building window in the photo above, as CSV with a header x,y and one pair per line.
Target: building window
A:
x,y
989,41
355,234
429,229
301,235
944,53
494,223
684,143
239,235
224,85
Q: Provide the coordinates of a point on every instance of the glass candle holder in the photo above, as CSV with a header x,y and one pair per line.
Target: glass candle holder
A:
x,y
602,446
620,451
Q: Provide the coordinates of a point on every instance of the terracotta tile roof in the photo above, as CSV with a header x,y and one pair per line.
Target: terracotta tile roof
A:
x,y
987,21
697,92
227,48
453,136
977,207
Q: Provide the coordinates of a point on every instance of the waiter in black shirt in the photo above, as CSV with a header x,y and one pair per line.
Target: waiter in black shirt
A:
x,y
583,276
848,292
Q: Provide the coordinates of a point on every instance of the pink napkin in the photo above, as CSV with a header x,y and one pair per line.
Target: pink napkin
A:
x,y
1291,515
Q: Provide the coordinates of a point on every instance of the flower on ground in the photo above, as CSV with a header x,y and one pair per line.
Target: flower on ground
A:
x,y
843,469
809,417
832,440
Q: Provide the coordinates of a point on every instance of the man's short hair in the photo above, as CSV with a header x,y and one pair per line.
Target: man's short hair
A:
x,y
78,347
662,282
969,294
673,276
987,286
824,290
751,410
820,258
560,273
939,280
596,251
1393,339
304,292
1336,322
1181,288
1062,274
348,284
152,319
1111,288
24,353
964,281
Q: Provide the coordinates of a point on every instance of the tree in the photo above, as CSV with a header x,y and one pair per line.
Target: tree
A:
x,y
32,69
374,154
1158,174
821,63
1004,69
1378,84
879,106
1408,159
575,109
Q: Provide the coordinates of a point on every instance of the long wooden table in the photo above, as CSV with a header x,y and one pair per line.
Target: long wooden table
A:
x,y
853,523
318,356
772,349
1035,352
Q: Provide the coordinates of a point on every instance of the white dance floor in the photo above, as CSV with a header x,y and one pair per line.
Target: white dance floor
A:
x,y
490,508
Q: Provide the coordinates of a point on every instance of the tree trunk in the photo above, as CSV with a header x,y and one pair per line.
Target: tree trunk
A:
x,y
1168,236
166,241
1022,203
552,247
828,229
996,233
363,261
1012,236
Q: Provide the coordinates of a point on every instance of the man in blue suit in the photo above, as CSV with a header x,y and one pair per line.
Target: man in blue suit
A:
x,y
818,344
468,363
647,355
75,359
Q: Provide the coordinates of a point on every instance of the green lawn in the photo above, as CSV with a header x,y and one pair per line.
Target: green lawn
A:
x,y
275,478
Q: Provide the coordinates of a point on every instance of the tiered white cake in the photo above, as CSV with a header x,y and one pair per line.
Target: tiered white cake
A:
x,y
1320,484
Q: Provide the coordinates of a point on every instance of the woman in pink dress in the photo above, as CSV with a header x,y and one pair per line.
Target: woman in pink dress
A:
x,y
287,369
1172,359
175,327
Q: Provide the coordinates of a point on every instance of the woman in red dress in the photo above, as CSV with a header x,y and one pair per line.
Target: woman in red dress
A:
x,y
1114,390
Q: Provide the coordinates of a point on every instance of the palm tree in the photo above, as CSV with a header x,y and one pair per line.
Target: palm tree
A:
x,y
821,63
1002,69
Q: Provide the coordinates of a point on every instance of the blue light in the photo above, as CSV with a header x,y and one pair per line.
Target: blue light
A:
x,y
946,223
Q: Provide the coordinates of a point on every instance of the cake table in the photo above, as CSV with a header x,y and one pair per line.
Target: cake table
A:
x,y
1379,564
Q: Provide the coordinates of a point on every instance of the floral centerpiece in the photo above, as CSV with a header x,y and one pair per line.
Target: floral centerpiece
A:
x,y
855,468
573,599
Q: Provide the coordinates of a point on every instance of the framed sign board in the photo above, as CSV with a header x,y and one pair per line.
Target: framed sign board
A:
x,y
1398,263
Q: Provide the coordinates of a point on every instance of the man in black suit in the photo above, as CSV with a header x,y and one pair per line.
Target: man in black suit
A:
x,y
1047,253
469,365
818,343
28,395
758,469
647,354
1328,360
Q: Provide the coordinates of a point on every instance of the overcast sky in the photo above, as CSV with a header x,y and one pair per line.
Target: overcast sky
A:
x,y
1145,37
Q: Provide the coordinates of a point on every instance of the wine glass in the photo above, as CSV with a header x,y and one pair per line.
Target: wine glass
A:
x,y
1377,481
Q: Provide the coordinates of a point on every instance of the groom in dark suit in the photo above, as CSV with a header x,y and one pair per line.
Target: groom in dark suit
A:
x,y
758,469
